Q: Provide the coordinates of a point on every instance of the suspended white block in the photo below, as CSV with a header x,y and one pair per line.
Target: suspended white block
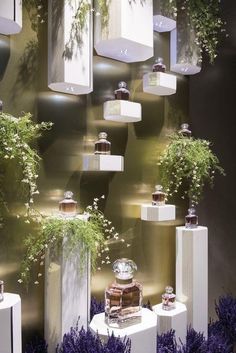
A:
x,y
128,35
157,213
175,319
10,324
10,16
122,111
69,71
159,83
163,24
143,335
192,274
98,162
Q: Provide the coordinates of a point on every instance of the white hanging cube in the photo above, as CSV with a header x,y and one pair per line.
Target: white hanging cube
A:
x,y
164,15
122,111
105,163
157,213
70,52
159,83
10,324
10,16
126,34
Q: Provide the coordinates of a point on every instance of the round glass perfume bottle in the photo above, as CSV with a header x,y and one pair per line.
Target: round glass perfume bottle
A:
x,y
168,299
123,298
1,291
184,130
158,196
159,65
191,220
102,146
122,93
68,206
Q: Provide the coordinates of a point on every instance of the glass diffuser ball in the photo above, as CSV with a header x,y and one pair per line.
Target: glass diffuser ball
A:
x,y
159,65
1,291
158,196
168,299
191,220
122,93
102,146
184,130
68,206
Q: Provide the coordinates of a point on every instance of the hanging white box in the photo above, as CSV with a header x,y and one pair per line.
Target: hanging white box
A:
x,y
143,335
164,15
10,324
69,70
122,111
159,83
128,34
10,16
157,213
192,274
175,319
99,162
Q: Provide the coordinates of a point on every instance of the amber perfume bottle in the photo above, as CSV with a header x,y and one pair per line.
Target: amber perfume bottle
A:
x,y
123,298
158,196
102,146
122,93
184,130
191,220
68,206
159,66
1,291
168,299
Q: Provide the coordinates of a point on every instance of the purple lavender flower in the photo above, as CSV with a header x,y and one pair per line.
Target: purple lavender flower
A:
x,y
166,342
226,312
96,307
38,345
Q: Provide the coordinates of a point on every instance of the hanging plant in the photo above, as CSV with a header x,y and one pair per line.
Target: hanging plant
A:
x,y
186,166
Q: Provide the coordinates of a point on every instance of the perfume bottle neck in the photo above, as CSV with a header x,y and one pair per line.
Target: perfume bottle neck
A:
x,y
124,281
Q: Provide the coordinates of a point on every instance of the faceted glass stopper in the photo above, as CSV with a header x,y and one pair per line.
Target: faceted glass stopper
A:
x,y
102,135
68,195
191,211
124,268
158,188
1,291
122,84
184,130
159,60
169,290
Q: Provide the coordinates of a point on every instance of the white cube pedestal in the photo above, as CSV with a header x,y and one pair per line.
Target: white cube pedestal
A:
x,y
99,162
10,324
10,16
143,335
122,111
175,319
163,24
159,83
157,213
192,275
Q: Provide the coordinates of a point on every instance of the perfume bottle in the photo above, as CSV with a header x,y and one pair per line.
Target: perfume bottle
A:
x,y
123,298
68,206
158,197
102,146
191,220
122,93
159,66
168,299
1,291
184,130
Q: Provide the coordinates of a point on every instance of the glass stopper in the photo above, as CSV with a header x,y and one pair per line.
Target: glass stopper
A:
x,y
169,289
68,195
159,60
184,126
124,268
158,187
192,211
122,84
102,135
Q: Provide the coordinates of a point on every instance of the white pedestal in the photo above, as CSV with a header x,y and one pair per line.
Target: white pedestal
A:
x,y
192,274
157,213
10,16
98,162
163,24
10,324
175,319
128,34
143,335
122,111
159,83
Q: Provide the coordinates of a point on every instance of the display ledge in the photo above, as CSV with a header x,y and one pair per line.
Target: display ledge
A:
x,y
159,83
163,24
157,213
99,162
122,111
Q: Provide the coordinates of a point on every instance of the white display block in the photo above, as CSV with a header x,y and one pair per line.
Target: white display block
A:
x,y
10,16
10,324
69,70
143,335
192,274
175,319
163,24
159,83
157,213
164,15
122,111
99,162
128,34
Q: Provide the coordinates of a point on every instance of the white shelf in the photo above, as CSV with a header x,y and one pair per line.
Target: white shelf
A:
x,y
159,83
122,111
10,16
99,162
157,213
163,24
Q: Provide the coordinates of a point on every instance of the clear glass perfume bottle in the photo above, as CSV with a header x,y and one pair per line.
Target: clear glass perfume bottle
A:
x,y
102,146
159,65
68,206
123,298
1,291
184,130
191,220
168,299
158,196
122,93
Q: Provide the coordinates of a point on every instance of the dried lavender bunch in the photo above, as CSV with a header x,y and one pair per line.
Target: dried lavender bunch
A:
x,y
166,342
226,312
38,345
96,307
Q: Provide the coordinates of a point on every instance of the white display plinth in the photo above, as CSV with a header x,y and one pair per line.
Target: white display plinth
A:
x,y
128,34
159,83
175,319
163,24
10,16
122,111
98,162
143,335
157,213
67,294
192,274
10,324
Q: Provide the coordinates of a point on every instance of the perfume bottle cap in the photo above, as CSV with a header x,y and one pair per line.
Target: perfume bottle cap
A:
x,y
192,211
169,289
184,126
159,60
122,84
68,195
102,135
124,268
184,129
158,188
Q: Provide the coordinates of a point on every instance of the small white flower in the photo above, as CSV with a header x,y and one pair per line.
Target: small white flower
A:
x,y
103,197
36,282
20,280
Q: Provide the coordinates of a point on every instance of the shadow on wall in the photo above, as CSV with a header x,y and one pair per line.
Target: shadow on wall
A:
x,y
4,54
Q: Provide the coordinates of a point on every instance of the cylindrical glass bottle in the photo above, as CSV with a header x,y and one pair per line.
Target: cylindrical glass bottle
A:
x,y
1,291
168,299
102,146
68,206
122,93
191,220
158,196
159,66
